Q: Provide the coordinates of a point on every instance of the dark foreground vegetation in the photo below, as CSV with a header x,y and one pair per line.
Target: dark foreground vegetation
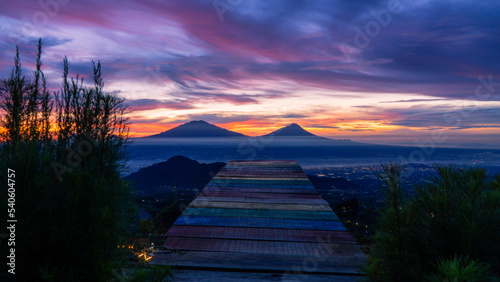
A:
x,y
448,231
65,151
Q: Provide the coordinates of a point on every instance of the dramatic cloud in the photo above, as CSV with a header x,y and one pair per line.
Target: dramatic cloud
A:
x,y
340,66
151,104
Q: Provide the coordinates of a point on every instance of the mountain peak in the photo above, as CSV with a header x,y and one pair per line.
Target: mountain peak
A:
x,y
292,130
198,128
197,122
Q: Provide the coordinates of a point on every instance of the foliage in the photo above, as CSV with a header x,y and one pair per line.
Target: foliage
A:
x,y
154,273
67,152
391,239
461,269
146,226
454,216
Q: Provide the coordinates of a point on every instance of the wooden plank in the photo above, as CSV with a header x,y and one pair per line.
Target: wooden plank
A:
x,y
328,215
319,250
260,185
259,195
269,200
262,262
260,163
334,225
183,274
263,171
258,177
270,234
262,190
225,181
260,206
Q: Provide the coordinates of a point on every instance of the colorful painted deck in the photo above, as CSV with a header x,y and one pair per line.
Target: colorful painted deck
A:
x,y
262,216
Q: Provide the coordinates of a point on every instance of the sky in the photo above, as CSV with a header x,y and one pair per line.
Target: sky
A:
x,y
386,72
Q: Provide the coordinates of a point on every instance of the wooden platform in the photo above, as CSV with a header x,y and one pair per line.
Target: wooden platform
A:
x,y
261,217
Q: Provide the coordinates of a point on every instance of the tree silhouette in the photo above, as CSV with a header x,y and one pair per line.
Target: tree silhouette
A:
x,y
67,149
449,230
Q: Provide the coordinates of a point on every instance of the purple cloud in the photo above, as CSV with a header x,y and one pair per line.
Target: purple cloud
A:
x,y
182,50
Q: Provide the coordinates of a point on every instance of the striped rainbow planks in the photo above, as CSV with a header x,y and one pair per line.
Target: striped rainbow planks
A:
x,y
261,216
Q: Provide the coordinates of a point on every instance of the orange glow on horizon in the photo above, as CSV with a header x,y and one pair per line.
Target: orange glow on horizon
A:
x,y
357,129
255,128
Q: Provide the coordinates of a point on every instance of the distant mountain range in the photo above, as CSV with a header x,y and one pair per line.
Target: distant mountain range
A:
x,y
203,141
203,129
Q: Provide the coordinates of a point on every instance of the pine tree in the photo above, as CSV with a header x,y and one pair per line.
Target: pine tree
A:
x,y
390,256
449,229
69,193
